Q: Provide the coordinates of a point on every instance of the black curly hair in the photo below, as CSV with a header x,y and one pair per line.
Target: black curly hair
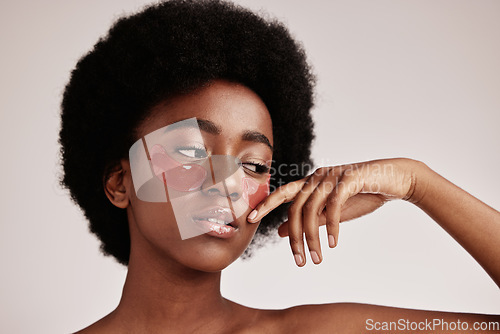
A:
x,y
168,49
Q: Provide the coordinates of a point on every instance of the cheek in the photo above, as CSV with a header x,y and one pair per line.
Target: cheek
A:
x,y
155,221
253,192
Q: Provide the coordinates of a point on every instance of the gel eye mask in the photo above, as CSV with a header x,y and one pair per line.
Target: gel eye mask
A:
x,y
207,193
190,177
180,177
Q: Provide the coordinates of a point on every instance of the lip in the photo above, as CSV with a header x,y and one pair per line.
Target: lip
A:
x,y
204,219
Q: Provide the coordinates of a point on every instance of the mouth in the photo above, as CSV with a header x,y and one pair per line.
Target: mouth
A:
x,y
217,221
217,214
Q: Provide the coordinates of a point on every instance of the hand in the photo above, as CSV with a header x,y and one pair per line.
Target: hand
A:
x,y
335,194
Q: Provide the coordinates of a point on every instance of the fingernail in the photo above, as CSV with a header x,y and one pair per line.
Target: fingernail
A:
x,y
298,259
314,257
331,240
253,214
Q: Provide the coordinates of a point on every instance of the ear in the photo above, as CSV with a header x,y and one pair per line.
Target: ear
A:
x,y
115,185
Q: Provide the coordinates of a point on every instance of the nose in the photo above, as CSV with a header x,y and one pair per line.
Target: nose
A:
x,y
224,177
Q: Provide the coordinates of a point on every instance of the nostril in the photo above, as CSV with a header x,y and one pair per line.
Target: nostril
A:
x,y
234,196
213,191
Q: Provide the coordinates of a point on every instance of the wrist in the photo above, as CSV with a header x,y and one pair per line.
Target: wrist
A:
x,y
419,181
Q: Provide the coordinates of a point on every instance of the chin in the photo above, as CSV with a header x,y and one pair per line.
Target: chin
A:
x,y
212,260
205,252
211,254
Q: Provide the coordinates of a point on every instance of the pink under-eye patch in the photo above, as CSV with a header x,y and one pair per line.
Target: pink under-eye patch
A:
x,y
181,177
253,192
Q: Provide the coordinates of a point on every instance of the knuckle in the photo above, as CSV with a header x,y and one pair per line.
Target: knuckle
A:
x,y
277,197
309,206
312,238
331,200
319,171
295,240
330,223
331,171
328,185
287,196
348,173
294,207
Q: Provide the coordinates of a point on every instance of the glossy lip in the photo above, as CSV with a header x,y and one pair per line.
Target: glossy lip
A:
x,y
217,212
201,217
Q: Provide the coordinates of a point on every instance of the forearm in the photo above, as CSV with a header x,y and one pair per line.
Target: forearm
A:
x,y
472,223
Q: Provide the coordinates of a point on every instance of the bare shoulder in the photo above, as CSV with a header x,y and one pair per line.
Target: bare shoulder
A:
x,y
322,318
359,318
103,325
342,318
95,328
313,318
92,329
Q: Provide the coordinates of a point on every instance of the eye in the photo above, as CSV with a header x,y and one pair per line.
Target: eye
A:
x,y
255,167
192,152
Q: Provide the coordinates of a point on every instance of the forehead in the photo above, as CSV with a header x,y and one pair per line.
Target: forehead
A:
x,y
233,107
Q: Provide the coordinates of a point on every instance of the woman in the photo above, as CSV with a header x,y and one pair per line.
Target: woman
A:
x,y
249,88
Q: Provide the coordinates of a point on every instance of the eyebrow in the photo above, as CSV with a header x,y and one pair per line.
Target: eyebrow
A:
x,y
253,136
257,137
210,127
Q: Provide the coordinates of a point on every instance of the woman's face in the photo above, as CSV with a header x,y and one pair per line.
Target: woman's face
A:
x,y
233,121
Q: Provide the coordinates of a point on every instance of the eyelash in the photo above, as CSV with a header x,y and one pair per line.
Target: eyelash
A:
x,y
259,167
195,148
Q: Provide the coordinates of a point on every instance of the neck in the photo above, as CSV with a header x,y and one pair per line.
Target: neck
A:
x,y
164,295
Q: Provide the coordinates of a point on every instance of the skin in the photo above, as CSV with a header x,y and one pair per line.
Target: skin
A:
x,y
173,285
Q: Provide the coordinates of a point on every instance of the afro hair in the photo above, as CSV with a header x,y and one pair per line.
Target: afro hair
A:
x,y
167,49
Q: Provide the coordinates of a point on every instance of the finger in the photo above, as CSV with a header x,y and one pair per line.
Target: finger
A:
x,y
332,225
348,186
286,193
283,194
295,221
283,228
312,210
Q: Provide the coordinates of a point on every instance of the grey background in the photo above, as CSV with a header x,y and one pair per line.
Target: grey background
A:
x,y
417,79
